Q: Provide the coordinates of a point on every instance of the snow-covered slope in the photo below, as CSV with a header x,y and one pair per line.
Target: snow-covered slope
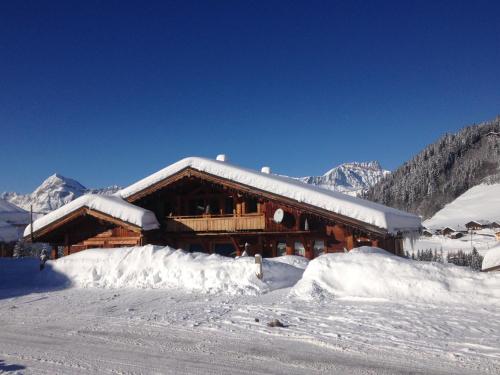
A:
x,y
349,178
481,202
53,193
12,221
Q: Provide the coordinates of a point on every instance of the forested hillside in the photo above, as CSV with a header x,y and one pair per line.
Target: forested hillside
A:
x,y
443,170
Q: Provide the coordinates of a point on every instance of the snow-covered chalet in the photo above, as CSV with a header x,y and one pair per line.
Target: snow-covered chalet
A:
x,y
212,206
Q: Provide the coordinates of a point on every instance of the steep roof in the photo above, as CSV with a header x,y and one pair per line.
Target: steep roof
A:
x,y
362,210
110,205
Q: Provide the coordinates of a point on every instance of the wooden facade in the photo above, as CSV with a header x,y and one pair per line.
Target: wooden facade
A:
x,y
202,212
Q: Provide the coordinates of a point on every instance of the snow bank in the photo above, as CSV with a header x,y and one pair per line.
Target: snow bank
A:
x,y
491,258
110,205
369,212
163,267
293,260
381,276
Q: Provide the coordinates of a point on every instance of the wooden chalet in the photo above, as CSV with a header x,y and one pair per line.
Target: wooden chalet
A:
x,y
480,224
212,206
448,231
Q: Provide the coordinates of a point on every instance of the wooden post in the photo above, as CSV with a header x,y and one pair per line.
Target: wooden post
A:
x,y
236,246
67,246
259,245
309,254
349,239
53,252
289,247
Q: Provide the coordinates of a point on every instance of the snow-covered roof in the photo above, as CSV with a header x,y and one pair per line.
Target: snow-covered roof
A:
x,y
368,212
480,222
110,205
491,258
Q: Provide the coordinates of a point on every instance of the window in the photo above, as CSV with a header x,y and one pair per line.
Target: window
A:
x,y
299,249
281,248
319,248
228,206
196,207
251,206
214,208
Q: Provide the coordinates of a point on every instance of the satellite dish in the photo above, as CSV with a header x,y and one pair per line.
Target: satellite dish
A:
x,y
279,215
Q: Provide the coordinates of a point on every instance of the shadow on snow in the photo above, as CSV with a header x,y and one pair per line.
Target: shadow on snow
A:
x,y
23,276
10,368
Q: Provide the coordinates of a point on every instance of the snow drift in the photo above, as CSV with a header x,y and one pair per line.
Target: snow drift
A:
x,y
373,273
491,258
163,267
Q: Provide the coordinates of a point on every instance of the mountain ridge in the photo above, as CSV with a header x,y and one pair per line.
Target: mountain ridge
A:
x,y
443,170
54,192
351,178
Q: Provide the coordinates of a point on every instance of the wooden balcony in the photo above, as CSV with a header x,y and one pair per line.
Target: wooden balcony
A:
x,y
215,223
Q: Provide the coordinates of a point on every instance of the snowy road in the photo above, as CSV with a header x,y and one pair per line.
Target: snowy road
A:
x,y
76,330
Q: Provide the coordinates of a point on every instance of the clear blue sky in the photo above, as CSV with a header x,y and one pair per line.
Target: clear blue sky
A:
x,y
109,91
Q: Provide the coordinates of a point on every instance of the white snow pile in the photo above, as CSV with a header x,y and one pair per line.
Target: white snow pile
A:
x,y
481,202
369,212
163,267
110,205
491,258
373,273
293,260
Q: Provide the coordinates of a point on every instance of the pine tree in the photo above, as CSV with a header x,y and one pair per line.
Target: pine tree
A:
x,y
476,260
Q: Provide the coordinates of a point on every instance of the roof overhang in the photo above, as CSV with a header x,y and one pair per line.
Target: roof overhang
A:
x,y
190,172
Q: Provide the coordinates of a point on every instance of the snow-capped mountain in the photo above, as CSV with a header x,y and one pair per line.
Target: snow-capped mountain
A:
x,y
349,178
53,193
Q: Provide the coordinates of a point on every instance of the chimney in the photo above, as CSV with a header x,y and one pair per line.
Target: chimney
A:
x,y
222,157
266,170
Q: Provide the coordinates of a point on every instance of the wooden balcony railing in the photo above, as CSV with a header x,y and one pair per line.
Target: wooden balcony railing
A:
x,y
215,223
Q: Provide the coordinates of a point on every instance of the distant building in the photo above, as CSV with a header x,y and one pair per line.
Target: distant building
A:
x,y
448,231
427,233
478,224
495,224
497,235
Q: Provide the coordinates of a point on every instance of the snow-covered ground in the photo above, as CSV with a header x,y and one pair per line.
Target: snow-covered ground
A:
x,y
482,240
175,329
